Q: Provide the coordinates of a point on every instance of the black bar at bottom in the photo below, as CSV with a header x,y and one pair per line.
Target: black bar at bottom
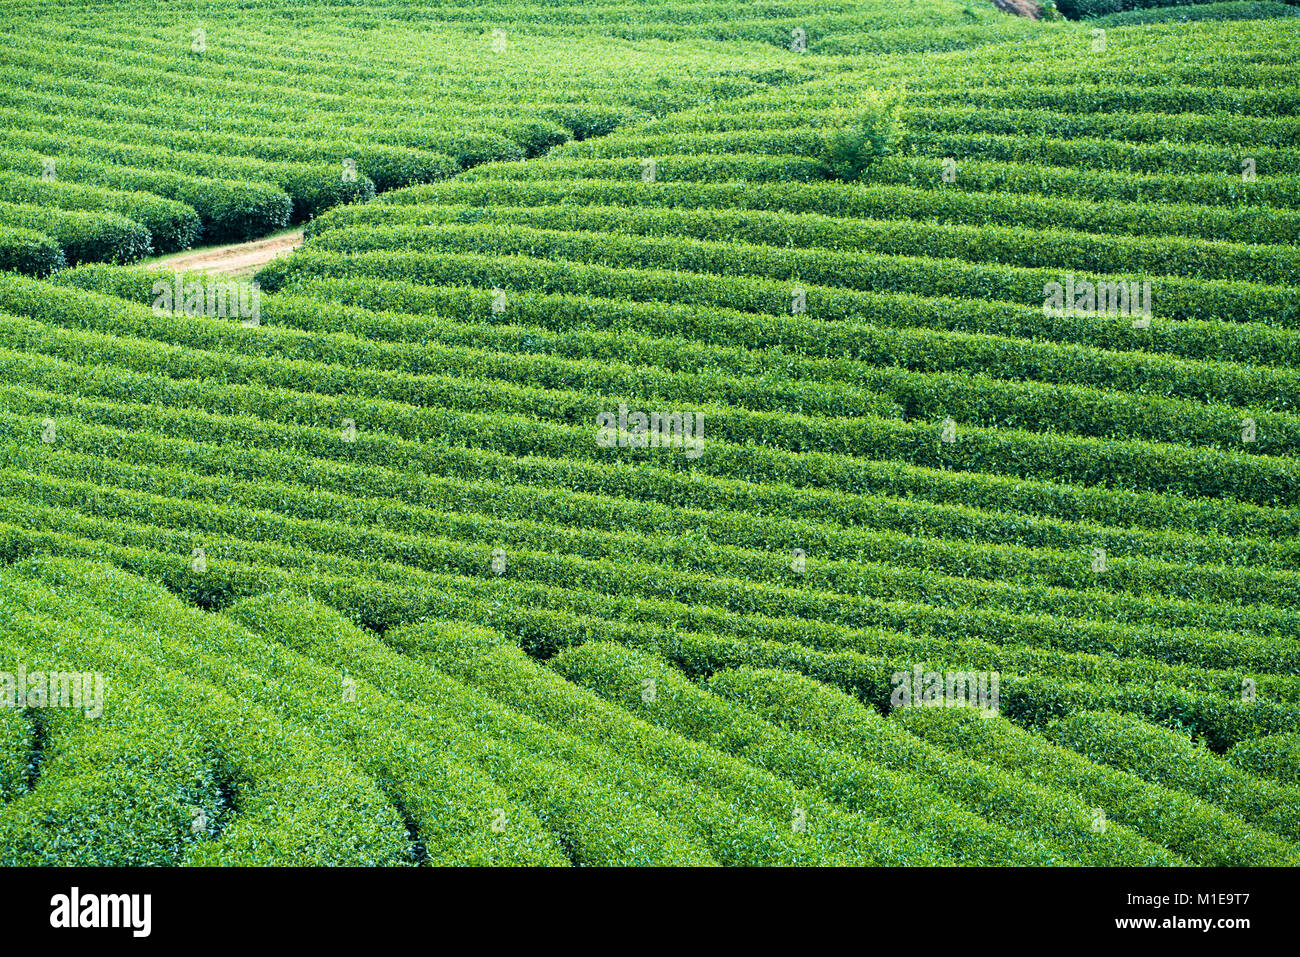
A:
x,y
921,907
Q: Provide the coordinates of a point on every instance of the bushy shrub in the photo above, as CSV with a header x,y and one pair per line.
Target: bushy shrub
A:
x,y
1202,11
834,718
1275,756
233,212
85,236
585,120
17,747
172,225
1125,12
27,251
1191,828
474,149
1171,759
873,132
902,799
536,137
1079,9
313,191
392,167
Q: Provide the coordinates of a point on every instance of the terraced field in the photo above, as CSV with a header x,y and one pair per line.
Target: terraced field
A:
x,y
389,575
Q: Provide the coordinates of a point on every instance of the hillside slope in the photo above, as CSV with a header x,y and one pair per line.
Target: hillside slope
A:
x,y
405,530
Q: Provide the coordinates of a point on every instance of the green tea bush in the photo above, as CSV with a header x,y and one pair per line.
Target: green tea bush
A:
x,y
1275,756
17,751
902,799
1194,829
172,225
833,717
84,236
594,802
872,132
1249,10
584,121
28,251
1171,759
744,813
536,137
292,793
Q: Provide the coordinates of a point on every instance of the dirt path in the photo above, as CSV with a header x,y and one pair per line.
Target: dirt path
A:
x,y
239,260
1020,8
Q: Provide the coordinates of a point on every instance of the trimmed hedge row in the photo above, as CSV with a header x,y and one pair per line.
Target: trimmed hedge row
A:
x,y
1248,10
1190,828
687,167
695,339
381,604
28,251
228,210
171,225
1247,601
270,158
1188,67
1133,590
1105,154
464,464
1282,133
767,528
1274,756
83,236
744,811
567,288
1094,152
600,805
834,719
906,801
1174,98
782,406
1172,298
297,801
650,480
447,802
1162,467
1150,257
544,631
313,188
18,753
443,555
1172,760
862,201
121,793
1095,185
1105,9
350,111
468,377
797,342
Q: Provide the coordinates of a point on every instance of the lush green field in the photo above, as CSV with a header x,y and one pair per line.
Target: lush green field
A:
x,y
365,583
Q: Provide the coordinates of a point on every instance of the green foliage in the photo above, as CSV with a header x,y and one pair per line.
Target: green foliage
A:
x,y
1190,827
429,602
1170,759
536,137
872,132
83,236
1128,12
1275,756
28,251
1238,10
584,121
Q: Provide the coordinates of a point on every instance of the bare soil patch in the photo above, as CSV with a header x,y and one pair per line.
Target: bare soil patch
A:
x,y
238,260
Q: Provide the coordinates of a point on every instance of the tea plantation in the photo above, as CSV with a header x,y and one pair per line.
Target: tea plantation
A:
x,y
692,433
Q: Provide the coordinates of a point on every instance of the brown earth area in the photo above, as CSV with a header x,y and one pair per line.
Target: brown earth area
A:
x,y
1021,8
239,260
